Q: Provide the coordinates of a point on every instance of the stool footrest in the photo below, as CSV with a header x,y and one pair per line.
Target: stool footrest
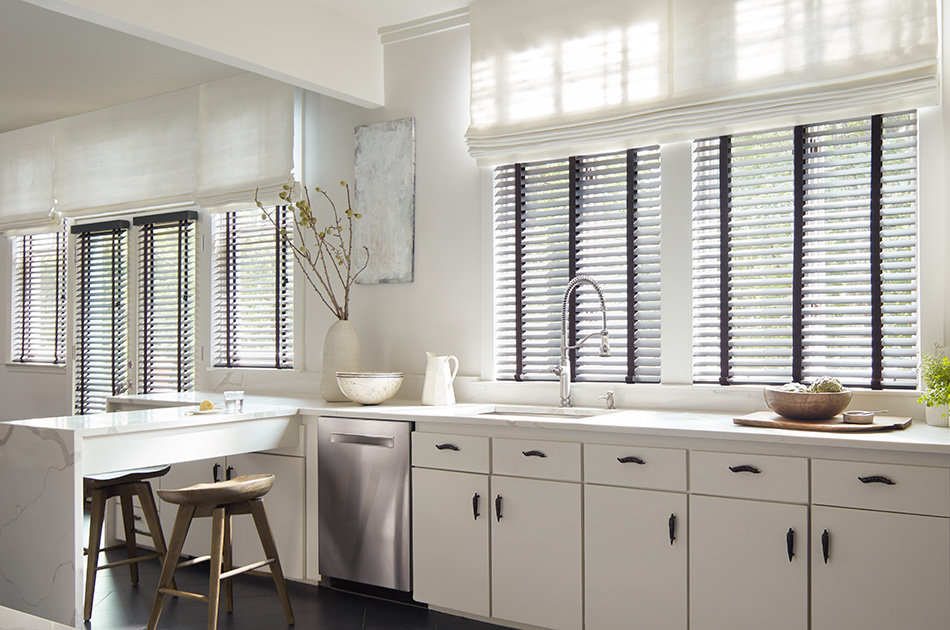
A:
x,y
192,562
186,594
122,563
246,568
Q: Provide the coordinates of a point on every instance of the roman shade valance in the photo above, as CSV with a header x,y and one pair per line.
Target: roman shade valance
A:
x,y
245,141
26,179
551,75
135,155
214,144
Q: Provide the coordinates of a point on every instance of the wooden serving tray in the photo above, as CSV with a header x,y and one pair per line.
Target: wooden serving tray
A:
x,y
772,420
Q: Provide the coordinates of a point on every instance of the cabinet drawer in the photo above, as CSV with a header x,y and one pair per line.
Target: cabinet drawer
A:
x,y
466,453
744,476
635,467
885,487
541,459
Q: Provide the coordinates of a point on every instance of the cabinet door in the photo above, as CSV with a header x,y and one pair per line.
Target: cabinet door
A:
x,y
884,570
450,529
635,568
740,574
285,511
536,552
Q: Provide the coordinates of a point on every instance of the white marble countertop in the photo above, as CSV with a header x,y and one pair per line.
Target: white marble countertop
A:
x,y
918,438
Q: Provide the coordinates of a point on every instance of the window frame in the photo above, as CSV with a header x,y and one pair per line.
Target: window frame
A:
x,y
224,348
822,158
24,303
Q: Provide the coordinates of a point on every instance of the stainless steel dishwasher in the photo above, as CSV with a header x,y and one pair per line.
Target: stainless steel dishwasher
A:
x,y
363,481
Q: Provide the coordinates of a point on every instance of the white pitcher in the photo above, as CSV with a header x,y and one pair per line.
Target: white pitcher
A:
x,y
437,389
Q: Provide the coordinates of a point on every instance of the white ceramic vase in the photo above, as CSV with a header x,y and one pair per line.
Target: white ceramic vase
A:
x,y
937,416
341,353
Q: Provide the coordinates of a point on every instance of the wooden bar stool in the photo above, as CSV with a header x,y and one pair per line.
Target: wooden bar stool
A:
x,y
124,485
241,495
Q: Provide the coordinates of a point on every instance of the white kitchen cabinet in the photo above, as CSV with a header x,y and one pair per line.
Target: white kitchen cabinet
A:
x,y
874,566
748,558
635,537
741,574
284,503
450,540
634,559
537,552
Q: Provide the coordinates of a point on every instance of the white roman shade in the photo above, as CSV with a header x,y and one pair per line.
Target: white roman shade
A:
x,y
26,178
246,140
136,155
551,75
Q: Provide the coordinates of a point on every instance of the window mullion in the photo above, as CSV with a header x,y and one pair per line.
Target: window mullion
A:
x,y
572,213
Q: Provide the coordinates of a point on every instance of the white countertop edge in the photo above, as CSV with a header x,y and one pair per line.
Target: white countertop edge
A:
x,y
178,412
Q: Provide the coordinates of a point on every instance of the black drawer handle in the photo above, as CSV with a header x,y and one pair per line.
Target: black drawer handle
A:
x,y
447,447
825,545
877,479
229,473
214,472
790,543
630,459
475,505
533,454
672,524
745,468
498,507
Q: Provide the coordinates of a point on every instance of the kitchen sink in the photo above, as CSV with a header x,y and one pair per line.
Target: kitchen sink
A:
x,y
545,412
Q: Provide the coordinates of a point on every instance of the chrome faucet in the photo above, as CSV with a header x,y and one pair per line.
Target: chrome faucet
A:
x,y
563,369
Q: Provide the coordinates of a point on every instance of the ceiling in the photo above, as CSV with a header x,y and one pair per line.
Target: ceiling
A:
x,y
53,66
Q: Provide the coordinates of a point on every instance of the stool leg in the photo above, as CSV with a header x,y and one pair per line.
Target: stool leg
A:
x,y
96,515
179,531
214,582
128,522
147,499
228,563
270,551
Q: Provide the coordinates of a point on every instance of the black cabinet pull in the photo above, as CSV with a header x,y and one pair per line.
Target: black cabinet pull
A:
x,y
672,524
533,454
229,472
745,468
475,506
825,544
498,507
630,459
790,543
877,479
214,472
447,447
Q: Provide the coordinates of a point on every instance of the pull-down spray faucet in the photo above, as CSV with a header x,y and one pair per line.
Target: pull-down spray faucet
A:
x,y
563,369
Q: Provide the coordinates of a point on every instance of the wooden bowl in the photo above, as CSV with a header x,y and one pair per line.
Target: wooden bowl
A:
x,y
807,405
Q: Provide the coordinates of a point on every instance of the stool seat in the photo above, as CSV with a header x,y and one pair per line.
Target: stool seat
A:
x,y
243,488
105,480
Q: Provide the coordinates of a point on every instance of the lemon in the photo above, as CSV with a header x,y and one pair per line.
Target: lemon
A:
x,y
206,405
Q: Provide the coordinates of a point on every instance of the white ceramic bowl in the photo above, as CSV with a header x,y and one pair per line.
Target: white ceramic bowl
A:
x,y
369,388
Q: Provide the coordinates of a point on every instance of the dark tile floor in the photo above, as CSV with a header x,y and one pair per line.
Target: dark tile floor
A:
x,y
121,606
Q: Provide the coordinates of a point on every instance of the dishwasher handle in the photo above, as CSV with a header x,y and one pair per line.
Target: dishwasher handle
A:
x,y
386,441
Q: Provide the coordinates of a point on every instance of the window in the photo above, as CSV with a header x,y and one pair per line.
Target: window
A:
x,y
102,323
166,325
804,254
597,216
39,298
253,291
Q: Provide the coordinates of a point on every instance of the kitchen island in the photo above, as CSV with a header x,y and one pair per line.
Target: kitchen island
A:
x,y
41,508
